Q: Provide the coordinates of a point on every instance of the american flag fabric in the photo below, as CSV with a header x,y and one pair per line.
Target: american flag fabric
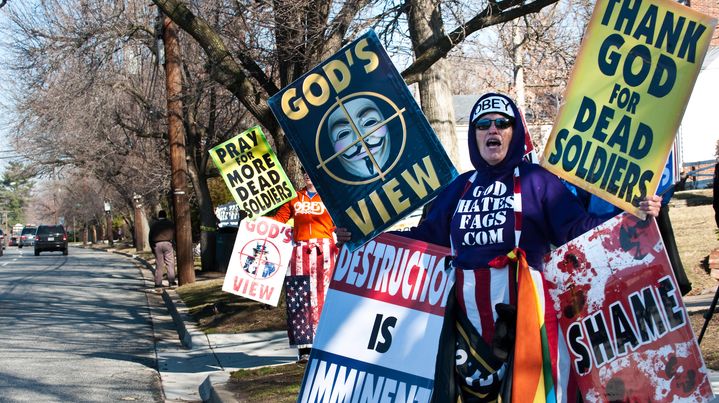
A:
x,y
540,372
306,284
299,314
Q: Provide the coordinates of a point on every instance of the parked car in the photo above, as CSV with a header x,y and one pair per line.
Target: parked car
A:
x,y
14,235
27,236
411,220
2,241
50,238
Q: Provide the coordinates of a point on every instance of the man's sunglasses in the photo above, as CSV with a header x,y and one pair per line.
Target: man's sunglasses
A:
x,y
499,123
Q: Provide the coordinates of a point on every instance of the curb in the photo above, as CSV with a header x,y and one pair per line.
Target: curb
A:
x,y
214,389
171,302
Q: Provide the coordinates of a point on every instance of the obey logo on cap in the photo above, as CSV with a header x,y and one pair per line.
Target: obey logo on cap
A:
x,y
494,104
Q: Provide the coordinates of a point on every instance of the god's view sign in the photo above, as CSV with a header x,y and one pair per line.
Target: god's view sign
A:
x,y
252,172
363,140
259,260
626,97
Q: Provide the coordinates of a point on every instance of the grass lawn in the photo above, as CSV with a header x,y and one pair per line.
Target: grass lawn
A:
x,y
695,233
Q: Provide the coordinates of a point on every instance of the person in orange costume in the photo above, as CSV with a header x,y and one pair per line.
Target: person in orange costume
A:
x,y
313,261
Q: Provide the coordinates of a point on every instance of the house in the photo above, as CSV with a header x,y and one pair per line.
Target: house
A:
x,y
462,107
698,133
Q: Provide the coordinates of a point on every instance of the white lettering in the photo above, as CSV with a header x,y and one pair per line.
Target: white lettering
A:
x,y
328,382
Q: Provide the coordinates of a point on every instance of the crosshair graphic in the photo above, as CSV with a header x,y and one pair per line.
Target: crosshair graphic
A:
x,y
257,256
358,140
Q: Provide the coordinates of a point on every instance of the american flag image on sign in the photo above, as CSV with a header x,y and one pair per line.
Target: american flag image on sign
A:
x,y
299,310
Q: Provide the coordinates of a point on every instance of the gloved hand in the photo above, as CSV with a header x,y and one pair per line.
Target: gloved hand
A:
x,y
504,330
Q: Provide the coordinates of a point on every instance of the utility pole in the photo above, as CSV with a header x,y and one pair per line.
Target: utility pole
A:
x,y
176,136
108,222
109,229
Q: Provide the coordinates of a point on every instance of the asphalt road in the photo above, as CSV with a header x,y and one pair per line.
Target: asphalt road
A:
x,y
75,328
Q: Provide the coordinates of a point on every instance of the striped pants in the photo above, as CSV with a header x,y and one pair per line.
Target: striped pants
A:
x,y
479,291
306,284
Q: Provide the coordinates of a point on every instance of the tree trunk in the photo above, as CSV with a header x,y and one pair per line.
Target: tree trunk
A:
x,y
436,98
425,25
518,59
138,225
145,230
208,220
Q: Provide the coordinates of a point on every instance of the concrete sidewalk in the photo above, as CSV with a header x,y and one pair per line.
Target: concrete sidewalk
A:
x,y
198,368
194,366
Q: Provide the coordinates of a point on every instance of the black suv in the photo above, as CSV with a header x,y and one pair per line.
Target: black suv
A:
x,y
50,238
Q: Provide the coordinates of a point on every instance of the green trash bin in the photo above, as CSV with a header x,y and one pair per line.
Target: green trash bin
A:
x,y
224,242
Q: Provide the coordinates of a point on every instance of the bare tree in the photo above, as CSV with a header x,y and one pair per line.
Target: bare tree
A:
x,y
426,26
89,96
93,98
305,32
530,58
82,88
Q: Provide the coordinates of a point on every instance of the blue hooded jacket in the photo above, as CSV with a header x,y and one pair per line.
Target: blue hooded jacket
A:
x,y
477,219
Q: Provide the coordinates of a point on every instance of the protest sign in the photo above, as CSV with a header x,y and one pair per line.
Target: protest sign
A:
x,y
228,215
668,176
252,172
626,97
259,260
363,140
622,316
377,338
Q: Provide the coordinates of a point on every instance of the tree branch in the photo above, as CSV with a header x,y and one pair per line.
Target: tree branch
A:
x,y
492,15
224,68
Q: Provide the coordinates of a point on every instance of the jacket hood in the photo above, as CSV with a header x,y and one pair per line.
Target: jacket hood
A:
x,y
516,150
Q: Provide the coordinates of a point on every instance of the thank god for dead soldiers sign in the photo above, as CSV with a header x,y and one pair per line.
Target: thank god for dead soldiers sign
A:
x,y
377,337
626,97
252,172
363,140
622,317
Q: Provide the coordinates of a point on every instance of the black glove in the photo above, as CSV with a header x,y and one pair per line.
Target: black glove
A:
x,y
504,330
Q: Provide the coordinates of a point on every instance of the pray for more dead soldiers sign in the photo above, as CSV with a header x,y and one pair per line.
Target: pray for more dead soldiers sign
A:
x,y
252,172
